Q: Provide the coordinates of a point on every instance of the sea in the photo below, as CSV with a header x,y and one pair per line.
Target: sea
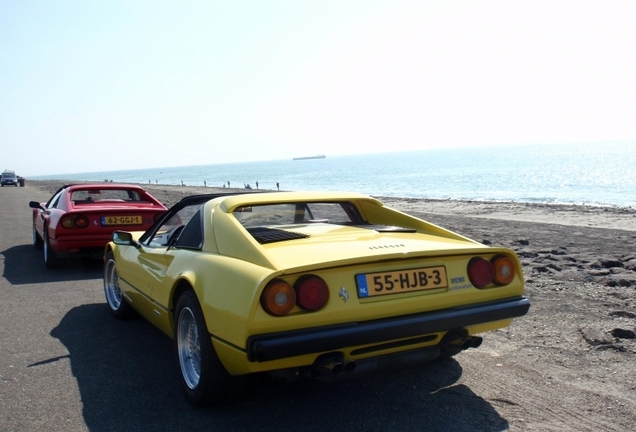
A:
x,y
596,174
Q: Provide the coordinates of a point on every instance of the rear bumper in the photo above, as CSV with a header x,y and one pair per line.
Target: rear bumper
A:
x,y
275,346
85,244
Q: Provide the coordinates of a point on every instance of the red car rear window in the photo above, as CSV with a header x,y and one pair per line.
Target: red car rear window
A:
x,y
96,195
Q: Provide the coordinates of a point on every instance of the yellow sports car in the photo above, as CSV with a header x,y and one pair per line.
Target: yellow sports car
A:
x,y
324,285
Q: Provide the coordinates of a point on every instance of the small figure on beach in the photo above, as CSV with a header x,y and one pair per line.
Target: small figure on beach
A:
x,y
247,186
205,184
182,183
256,184
228,183
277,186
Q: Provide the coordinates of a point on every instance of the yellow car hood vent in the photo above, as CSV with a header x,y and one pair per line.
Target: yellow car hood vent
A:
x,y
265,235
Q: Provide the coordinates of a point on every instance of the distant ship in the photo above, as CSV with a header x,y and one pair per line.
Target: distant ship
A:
x,y
318,156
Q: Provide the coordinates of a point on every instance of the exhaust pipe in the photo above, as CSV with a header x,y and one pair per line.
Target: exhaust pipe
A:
x,y
476,341
332,368
329,366
467,343
459,340
460,343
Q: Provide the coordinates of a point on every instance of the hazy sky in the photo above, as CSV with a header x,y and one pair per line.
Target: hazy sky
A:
x,y
95,86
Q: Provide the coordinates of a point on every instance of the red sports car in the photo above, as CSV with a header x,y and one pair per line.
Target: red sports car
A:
x,y
80,219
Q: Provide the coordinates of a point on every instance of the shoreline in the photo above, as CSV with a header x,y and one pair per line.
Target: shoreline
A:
x,y
620,218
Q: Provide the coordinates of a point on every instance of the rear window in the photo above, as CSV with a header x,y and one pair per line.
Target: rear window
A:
x,y
93,195
341,213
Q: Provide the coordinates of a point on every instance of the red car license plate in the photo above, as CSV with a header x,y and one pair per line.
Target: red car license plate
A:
x,y
121,220
375,284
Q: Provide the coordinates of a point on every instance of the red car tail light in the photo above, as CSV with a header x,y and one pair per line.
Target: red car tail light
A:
x,y
480,272
311,292
278,298
81,221
504,269
70,221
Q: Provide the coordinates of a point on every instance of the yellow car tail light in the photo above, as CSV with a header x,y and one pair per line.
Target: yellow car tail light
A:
x,y
311,292
278,298
504,269
480,272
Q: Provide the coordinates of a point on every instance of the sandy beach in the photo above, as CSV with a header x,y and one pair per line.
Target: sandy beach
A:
x,y
572,357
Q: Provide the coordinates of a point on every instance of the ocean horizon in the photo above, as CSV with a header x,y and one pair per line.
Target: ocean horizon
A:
x,y
601,174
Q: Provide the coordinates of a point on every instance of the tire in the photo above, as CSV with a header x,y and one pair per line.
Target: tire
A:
x,y
51,260
37,240
115,300
204,379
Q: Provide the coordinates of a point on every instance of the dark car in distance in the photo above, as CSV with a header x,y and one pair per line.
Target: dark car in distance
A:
x,y
8,178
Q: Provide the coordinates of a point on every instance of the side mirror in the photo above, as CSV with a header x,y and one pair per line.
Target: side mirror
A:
x,y
123,238
35,205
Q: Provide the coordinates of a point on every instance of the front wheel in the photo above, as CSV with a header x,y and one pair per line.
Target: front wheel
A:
x,y
51,260
203,377
114,297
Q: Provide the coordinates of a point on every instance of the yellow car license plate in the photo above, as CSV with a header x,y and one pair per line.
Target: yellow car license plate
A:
x,y
375,284
121,220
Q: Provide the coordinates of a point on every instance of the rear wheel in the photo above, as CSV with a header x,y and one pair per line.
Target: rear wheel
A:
x,y
114,297
203,377
37,240
51,260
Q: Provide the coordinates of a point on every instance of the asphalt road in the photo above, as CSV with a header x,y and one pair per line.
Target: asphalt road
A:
x,y
67,365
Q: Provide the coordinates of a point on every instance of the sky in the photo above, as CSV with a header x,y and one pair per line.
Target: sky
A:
x,y
101,86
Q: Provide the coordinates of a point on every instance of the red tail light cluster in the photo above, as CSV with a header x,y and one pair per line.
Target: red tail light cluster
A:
x,y
309,293
70,221
500,270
